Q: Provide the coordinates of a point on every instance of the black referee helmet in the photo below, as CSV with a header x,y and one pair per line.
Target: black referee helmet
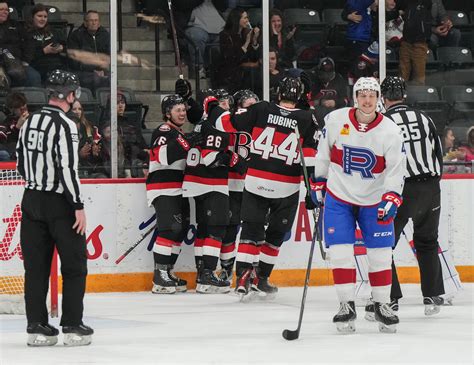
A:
x,y
393,88
290,89
60,83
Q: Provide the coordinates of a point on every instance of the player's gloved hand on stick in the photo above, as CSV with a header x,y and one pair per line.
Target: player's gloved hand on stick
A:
x,y
183,88
194,139
387,208
315,198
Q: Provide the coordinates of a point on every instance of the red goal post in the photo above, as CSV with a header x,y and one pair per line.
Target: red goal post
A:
x,y
11,258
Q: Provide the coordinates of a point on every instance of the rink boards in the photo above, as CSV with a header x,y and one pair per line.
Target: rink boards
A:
x,y
118,215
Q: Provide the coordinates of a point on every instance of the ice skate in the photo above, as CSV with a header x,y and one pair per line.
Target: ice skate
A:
x,y
209,283
432,305
162,282
40,334
370,311
243,285
226,273
77,335
264,288
344,319
386,317
181,284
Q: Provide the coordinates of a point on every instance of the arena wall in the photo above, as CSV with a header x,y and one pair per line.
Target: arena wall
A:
x,y
118,216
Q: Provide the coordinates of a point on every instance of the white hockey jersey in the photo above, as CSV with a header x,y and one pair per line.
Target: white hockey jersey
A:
x,y
360,161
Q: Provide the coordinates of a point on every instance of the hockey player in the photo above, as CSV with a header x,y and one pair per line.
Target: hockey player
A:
x,y
168,153
361,155
272,182
206,180
422,199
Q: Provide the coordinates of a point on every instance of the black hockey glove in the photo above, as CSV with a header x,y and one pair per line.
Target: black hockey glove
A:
x,y
194,139
183,88
237,163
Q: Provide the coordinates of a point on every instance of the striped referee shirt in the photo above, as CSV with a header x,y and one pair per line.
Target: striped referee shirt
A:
x,y
47,153
421,142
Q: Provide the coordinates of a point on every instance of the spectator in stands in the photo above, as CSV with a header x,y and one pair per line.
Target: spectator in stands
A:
x,y
103,161
95,39
367,65
442,33
467,152
87,148
416,33
359,29
205,24
451,153
135,148
16,115
15,51
49,48
329,90
276,74
239,48
281,39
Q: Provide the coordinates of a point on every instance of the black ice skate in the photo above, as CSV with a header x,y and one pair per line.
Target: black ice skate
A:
x,y
265,289
77,335
370,309
209,283
181,284
386,317
432,305
162,282
40,334
226,273
344,319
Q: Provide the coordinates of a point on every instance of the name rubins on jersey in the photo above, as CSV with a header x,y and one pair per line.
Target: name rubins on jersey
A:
x,y
167,161
274,168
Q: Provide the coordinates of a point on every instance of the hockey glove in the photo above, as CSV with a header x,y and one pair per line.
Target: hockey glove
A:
x,y
237,163
209,104
194,139
183,88
387,208
315,197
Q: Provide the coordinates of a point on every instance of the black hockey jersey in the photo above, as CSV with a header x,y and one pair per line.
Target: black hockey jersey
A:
x,y
274,167
167,162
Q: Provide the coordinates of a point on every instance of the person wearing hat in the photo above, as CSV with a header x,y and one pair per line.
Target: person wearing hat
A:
x,y
329,89
53,214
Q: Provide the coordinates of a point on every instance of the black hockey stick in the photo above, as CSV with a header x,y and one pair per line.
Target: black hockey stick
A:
x,y
140,240
175,40
287,334
293,335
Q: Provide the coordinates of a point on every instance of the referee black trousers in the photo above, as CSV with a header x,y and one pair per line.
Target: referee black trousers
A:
x,y
421,203
47,220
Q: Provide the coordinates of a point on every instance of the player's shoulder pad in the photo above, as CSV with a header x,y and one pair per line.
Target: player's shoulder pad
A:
x,y
164,127
337,116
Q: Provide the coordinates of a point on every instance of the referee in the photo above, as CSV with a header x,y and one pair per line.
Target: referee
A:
x,y
421,194
53,214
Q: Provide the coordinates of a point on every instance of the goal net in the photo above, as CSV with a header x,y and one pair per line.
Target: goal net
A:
x,y
11,258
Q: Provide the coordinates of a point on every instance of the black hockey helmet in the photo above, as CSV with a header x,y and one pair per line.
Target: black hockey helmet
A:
x,y
169,101
290,89
394,88
60,83
299,73
242,95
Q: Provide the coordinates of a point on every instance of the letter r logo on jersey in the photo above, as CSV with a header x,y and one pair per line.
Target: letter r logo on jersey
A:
x,y
358,159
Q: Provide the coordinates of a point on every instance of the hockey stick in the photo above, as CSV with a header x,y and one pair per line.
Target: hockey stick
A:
x,y
140,240
175,40
287,334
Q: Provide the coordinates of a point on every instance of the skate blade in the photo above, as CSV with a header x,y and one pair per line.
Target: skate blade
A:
x,y
38,340
157,289
210,289
431,310
73,339
181,289
248,297
370,316
387,328
346,327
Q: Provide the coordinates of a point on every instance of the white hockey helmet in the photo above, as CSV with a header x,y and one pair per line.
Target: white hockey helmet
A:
x,y
365,83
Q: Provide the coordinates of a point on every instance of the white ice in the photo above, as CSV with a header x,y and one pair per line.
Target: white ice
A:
x,y
141,328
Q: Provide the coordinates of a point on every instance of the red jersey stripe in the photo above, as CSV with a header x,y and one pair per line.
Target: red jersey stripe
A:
x,y
337,158
205,180
212,242
275,177
164,185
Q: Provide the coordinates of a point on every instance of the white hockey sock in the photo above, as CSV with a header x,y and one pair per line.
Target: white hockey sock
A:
x,y
380,273
343,270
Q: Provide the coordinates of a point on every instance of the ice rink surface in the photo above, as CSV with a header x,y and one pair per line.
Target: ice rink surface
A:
x,y
141,328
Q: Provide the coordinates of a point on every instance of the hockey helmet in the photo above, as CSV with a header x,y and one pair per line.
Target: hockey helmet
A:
x,y
394,88
242,95
290,89
303,76
60,83
365,83
169,101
